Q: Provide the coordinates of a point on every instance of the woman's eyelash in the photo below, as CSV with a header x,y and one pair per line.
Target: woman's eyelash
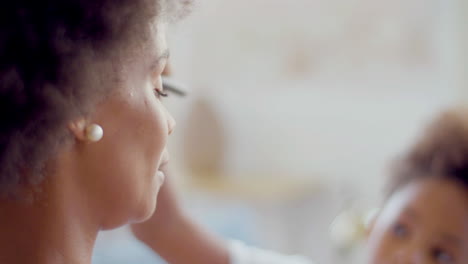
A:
x,y
160,93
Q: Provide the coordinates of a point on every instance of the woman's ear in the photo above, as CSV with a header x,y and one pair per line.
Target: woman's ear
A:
x,y
78,129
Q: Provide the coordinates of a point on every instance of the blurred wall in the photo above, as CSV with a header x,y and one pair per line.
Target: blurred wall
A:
x,y
322,90
309,88
461,19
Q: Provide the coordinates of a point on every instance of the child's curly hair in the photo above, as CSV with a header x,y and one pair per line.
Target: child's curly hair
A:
x,y
442,152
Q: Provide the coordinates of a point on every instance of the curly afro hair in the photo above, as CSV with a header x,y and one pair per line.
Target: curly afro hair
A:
x,y
441,153
41,45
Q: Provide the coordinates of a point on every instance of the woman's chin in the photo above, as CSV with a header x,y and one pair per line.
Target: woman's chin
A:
x,y
140,210
147,215
146,211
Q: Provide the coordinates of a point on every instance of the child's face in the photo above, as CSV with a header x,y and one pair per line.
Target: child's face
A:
x,y
424,222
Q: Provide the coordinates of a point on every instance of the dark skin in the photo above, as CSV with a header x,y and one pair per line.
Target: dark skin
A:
x,y
175,236
425,222
92,186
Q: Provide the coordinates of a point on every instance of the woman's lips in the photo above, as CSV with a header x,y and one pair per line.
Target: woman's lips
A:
x,y
160,173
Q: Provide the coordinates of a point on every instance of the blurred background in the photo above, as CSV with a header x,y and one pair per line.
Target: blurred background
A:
x,y
296,109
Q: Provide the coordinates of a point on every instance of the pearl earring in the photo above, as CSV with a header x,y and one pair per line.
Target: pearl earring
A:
x,y
94,132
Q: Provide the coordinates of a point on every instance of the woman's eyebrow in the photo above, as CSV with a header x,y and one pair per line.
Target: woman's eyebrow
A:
x,y
164,56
